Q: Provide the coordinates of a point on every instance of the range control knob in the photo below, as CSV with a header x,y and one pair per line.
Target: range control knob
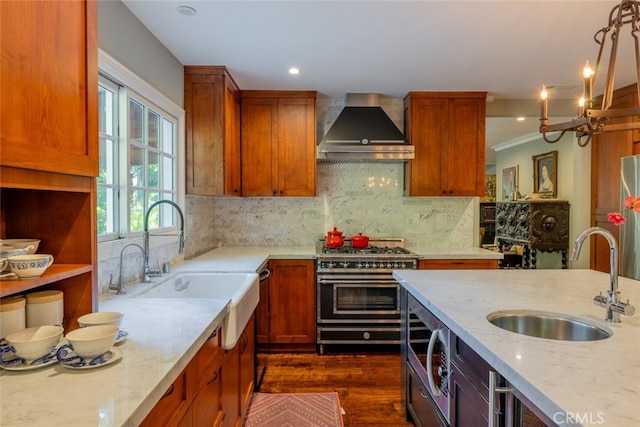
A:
x,y
366,335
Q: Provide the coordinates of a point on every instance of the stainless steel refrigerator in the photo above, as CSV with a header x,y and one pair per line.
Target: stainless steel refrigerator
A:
x,y
630,229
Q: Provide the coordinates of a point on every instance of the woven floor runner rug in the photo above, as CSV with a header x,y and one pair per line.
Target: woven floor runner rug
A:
x,y
294,410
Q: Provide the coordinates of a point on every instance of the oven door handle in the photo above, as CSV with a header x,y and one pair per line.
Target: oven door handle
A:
x,y
361,280
432,344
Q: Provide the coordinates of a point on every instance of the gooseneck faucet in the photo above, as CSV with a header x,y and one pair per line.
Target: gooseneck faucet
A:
x,y
119,287
145,234
612,301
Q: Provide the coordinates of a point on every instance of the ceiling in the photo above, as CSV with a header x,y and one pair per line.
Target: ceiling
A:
x,y
507,48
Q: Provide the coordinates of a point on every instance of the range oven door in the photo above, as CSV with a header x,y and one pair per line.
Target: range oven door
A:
x,y
342,298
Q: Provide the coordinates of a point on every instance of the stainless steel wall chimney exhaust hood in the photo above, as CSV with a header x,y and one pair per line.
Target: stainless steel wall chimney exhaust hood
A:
x,y
364,132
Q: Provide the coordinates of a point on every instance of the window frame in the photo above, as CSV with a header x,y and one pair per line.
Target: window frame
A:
x,y
121,75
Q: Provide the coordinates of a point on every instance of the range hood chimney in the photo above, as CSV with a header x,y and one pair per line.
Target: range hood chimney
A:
x,y
364,132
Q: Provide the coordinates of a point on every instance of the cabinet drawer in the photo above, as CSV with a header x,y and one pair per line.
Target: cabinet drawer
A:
x,y
422,408
171,406
210,354
457,264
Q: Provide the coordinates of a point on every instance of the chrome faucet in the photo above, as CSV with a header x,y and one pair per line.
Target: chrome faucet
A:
x,y
145,234
119,287
612,301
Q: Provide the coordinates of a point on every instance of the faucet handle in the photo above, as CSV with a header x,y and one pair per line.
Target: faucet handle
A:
x,y
623,308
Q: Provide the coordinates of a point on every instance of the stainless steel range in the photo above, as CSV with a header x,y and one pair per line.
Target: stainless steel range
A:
x,y
358,298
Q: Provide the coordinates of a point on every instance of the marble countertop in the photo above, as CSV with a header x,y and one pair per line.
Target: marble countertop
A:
x,y
163,337
598,381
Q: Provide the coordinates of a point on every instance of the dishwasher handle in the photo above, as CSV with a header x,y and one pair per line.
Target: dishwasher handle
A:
x,y
264,274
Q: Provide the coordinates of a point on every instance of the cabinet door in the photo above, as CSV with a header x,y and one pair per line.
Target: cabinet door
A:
x,y
172,405
292,302
231,386
247,365
278,148
427,121
258,149
207,406
212,132
48,108
463,155
448,132
296,147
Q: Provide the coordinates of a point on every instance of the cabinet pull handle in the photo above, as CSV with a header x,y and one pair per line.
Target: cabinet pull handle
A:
x,y
429,365
213,334
423,393
169,391
493,389
213,378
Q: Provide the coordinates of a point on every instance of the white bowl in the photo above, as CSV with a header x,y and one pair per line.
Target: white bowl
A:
x,y
29,266
33,343
101,318
30,244
92,341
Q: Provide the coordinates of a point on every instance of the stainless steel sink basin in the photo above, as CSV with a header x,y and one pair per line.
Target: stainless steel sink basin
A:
x,y
554,326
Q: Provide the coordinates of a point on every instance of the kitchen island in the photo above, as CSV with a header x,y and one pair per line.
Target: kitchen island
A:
x,y
571,382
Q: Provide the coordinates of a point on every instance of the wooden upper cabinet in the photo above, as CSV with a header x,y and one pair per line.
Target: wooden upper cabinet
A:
x,y
49,81
212,107
448,132
278,143
608,149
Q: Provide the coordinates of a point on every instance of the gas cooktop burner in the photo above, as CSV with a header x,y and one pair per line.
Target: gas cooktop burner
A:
x,y
371,250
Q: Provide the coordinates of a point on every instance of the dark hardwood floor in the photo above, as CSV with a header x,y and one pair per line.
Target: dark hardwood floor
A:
x,y
368,384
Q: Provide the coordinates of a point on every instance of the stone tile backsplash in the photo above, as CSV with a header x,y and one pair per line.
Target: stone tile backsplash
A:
x,y
355,197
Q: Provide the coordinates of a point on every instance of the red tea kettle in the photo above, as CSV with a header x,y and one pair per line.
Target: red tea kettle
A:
x,y
335,239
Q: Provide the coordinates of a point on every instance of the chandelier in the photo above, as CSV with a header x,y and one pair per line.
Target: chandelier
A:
x,y
596,120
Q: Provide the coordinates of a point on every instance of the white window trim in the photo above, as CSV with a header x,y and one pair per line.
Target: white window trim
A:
x,y
126,77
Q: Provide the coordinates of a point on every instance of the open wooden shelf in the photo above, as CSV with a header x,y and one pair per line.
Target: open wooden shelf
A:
x,y
53,274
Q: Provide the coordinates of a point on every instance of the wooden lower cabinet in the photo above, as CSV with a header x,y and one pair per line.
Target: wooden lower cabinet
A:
x,y
238,377
457,264
214,389
173,405
288,312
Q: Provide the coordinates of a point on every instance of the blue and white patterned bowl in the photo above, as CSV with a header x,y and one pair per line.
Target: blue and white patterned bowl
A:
x,y
29,266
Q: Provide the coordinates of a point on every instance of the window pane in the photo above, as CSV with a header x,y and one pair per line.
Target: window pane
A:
x,y
136,166
167,173
167,136
105,110
136,210
154,215
106,210
136,122
154,170
107,168
168,212
153,131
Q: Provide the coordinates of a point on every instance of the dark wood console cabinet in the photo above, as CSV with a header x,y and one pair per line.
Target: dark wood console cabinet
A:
x,y
537,225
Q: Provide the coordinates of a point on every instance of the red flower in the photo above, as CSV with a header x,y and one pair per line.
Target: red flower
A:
x,y
631,203
616,218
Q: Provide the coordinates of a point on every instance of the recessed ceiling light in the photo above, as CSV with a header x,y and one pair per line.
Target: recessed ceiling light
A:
x,y
294,70
520,119
186,10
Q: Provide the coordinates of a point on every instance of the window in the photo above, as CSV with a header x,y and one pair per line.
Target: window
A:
x,y
138,166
